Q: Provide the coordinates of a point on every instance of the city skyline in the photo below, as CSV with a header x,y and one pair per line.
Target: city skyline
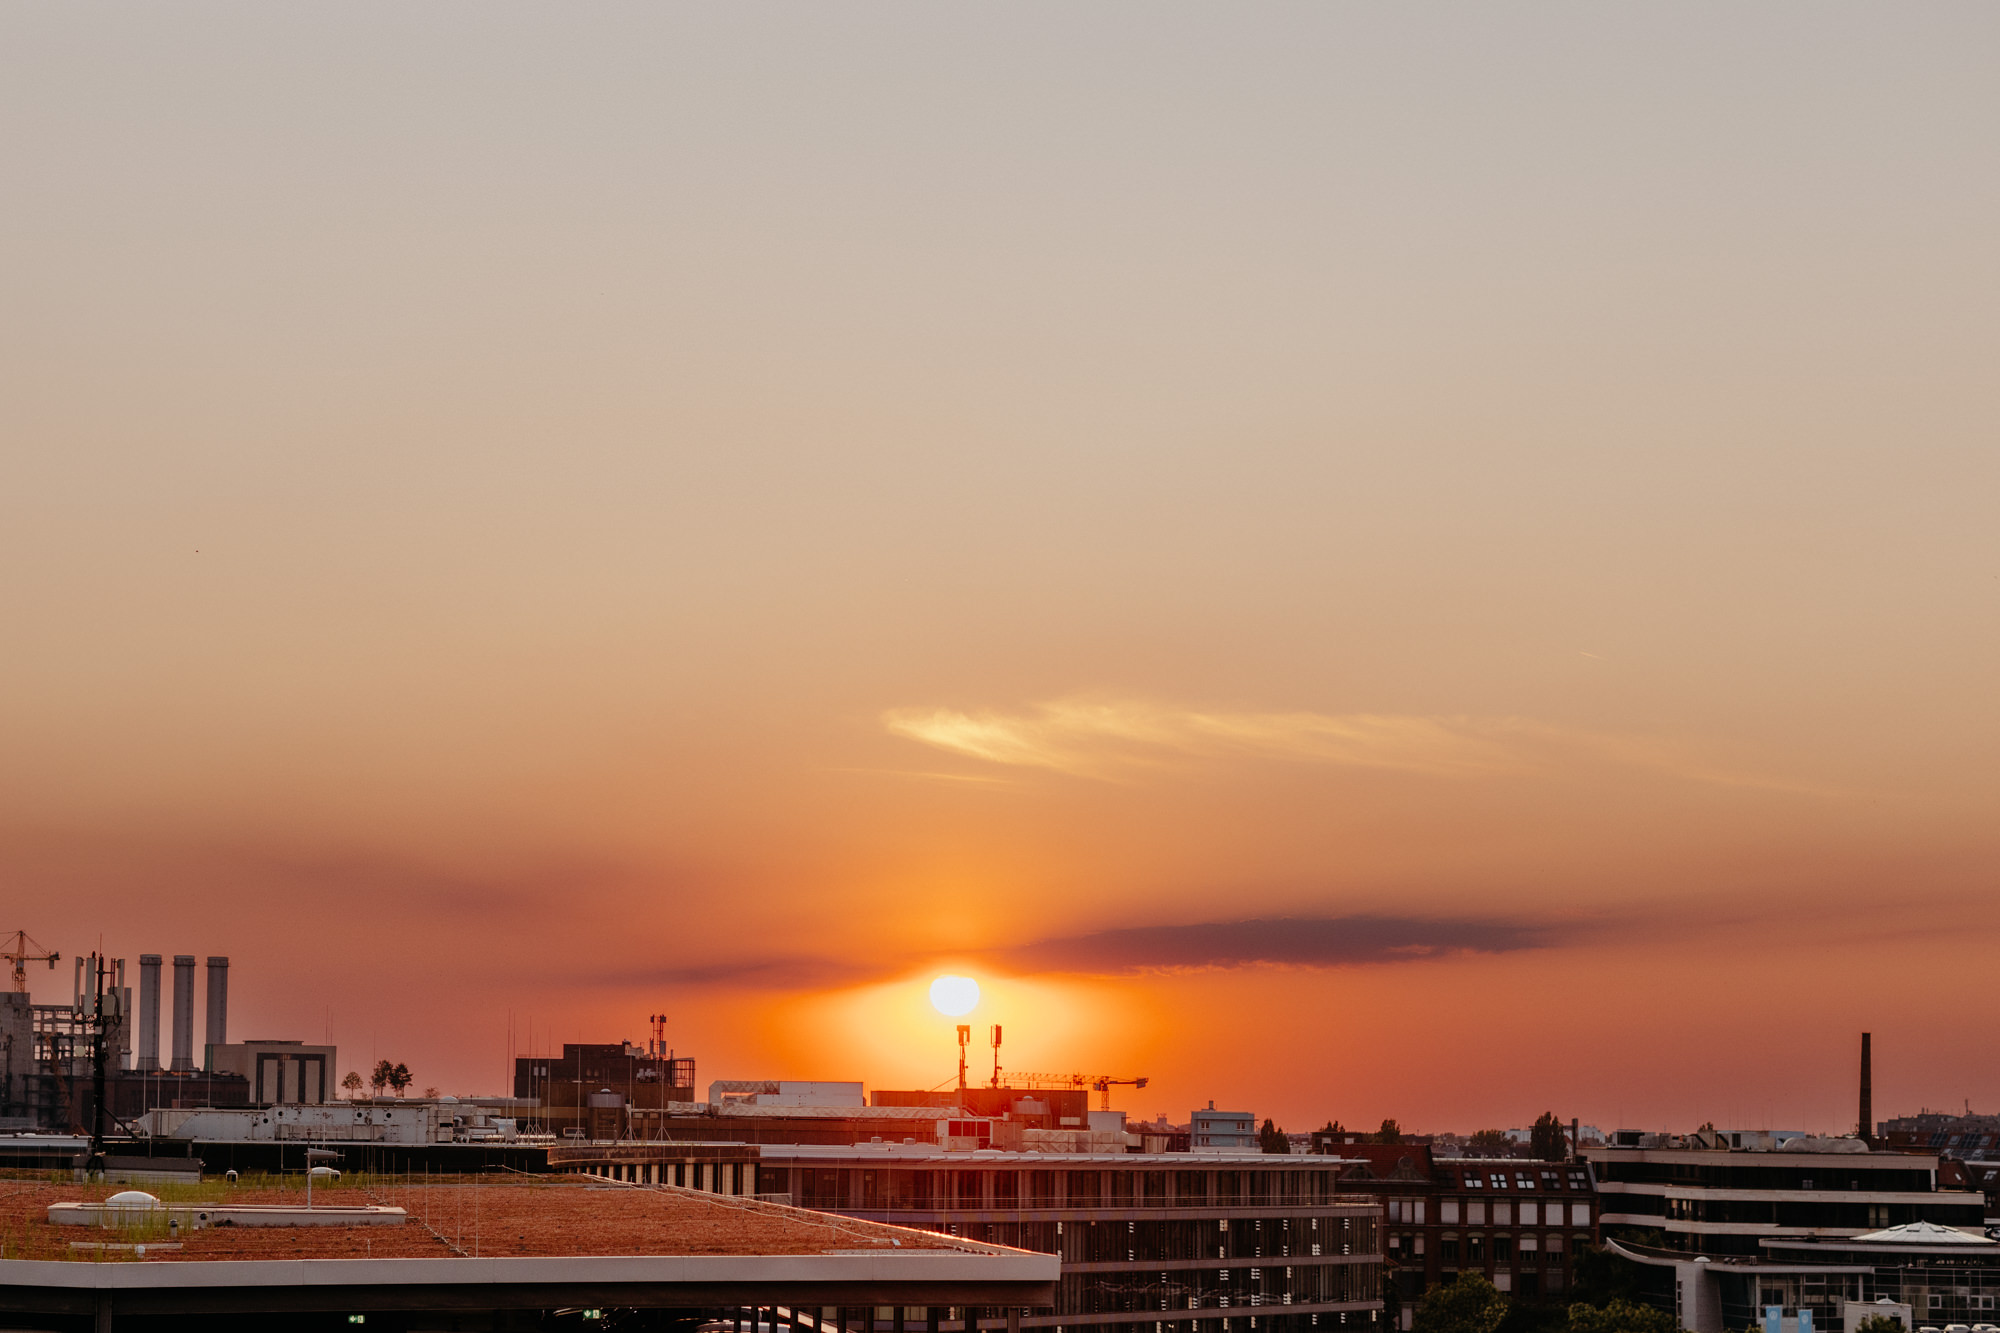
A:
x,y
1424,563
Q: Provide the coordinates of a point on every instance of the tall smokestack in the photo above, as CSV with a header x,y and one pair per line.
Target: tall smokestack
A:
x,y
1867,1093
149,1011
218,1009
183,1013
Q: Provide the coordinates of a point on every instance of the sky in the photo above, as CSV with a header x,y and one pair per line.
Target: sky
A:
x,y
1420,561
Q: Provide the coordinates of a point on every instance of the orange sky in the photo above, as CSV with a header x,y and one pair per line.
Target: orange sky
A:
x,y
1431,563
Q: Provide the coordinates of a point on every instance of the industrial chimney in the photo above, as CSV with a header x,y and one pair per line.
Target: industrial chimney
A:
x,y
1867,1093
218,1009
183,1013
149,1011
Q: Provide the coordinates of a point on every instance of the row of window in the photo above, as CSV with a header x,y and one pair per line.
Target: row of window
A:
x,y
1550,1179
1213,1288
1494,1212
1183,1240
869,1189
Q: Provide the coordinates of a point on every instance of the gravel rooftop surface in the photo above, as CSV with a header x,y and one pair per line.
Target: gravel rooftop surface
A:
x,y
486,1216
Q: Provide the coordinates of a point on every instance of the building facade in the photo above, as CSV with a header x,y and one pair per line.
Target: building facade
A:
x,y
1701,1196
1520,1223
1935,1276
1200,1243
1222,1131
601,1090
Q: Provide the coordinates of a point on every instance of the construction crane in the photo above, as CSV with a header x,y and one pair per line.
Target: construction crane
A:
x,y
21,951
1102,1083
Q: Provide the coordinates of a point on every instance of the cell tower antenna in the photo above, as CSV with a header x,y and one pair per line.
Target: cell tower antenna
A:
x,y
964,1036
996,1057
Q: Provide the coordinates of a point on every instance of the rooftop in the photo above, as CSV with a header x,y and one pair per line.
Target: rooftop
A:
x,y
522,1245
454,1217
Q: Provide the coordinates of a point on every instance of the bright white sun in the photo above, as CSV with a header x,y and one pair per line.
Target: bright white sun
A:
x,y
954,995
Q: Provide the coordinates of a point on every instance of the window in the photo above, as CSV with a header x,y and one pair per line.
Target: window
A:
x,y
1448,1250
1007,1189
1522,1180
1448,1210
1503,1213
1531,1213
1475,1211
821,1187
1503,1249
1475,1180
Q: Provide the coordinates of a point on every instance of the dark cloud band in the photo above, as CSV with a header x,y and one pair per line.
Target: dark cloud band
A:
x,y
1342,941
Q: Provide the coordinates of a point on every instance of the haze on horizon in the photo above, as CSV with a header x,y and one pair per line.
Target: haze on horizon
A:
x,y
1417,561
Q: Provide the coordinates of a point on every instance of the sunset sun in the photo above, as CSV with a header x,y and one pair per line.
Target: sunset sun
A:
x,y
955,996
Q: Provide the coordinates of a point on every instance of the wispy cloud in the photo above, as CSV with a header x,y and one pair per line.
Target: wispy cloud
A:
x,y
1315,942
1099,737
1113,738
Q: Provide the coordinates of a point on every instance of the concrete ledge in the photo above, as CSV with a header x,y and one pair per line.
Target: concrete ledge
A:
x,y
928,1266
195,1216
439,1285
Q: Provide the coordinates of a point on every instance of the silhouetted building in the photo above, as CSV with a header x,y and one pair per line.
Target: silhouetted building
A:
x,y
603,1090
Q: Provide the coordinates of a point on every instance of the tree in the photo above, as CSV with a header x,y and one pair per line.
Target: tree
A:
x,y
400,1079
383,1076
1391,1132
1470,1304
1490,1143
351,1085
1621,1317
1547,1137
1272,1139
1601,1277
1880,1323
